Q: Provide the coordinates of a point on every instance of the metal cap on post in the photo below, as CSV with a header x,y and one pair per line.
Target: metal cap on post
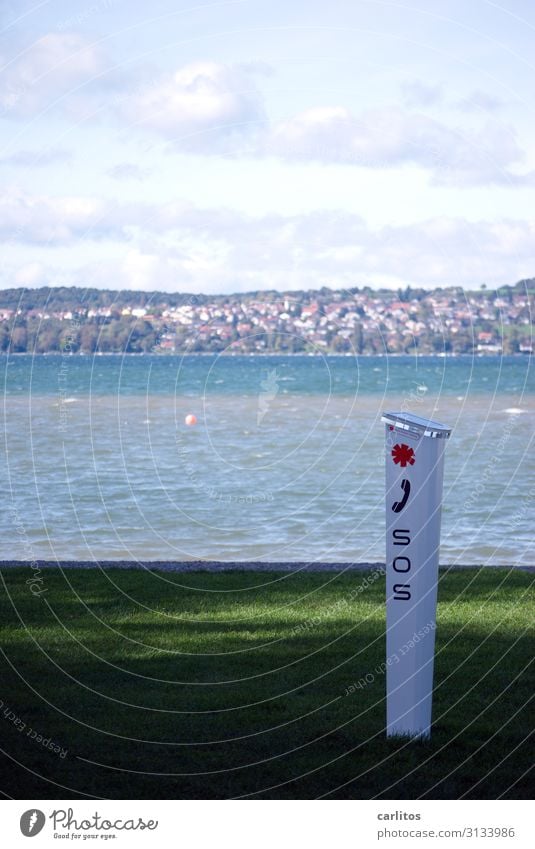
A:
x,y
414,477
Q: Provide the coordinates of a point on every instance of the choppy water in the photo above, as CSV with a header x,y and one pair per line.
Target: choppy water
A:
x,y
285,462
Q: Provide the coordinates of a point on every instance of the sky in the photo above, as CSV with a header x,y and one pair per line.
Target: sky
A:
x,y
258,144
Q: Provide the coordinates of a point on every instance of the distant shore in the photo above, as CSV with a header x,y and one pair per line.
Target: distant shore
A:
x,y
231,565
320,354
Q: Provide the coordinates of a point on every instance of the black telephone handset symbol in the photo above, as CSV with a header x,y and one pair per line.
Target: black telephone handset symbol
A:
x,y
398,506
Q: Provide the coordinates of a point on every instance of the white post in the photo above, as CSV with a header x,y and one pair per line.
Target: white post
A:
x,y
414,475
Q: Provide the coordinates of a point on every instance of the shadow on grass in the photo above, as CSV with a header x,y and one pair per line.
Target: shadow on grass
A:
x,y
268,714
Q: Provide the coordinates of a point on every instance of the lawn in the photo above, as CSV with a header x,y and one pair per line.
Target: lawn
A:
x,y
238,684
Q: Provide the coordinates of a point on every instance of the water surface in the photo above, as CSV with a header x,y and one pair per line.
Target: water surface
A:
x,y
286,461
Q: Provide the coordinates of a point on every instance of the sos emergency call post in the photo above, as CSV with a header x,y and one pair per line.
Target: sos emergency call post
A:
x,y
414,476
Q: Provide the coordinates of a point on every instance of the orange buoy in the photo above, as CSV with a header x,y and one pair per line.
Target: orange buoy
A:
x,y
191,420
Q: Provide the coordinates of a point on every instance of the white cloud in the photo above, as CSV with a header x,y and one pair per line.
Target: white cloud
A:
x,y
139,270
43,219
338,250
209,108
418,93
37,158
46,70
452,251
198,107
259,254
128,171
480,101
177,245
31,274
385,138
180,247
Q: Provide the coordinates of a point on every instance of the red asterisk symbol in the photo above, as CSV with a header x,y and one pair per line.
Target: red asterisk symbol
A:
x,y
403,454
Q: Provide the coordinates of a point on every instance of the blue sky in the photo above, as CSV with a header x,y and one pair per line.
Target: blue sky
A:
x,y
221,147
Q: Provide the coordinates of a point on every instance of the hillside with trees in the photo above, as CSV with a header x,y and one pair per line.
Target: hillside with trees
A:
x,y
358,320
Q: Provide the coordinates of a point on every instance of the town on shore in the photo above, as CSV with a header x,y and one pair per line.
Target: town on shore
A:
x,y
326,321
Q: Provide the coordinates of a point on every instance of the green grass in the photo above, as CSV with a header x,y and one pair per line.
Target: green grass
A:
x,y
230,684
